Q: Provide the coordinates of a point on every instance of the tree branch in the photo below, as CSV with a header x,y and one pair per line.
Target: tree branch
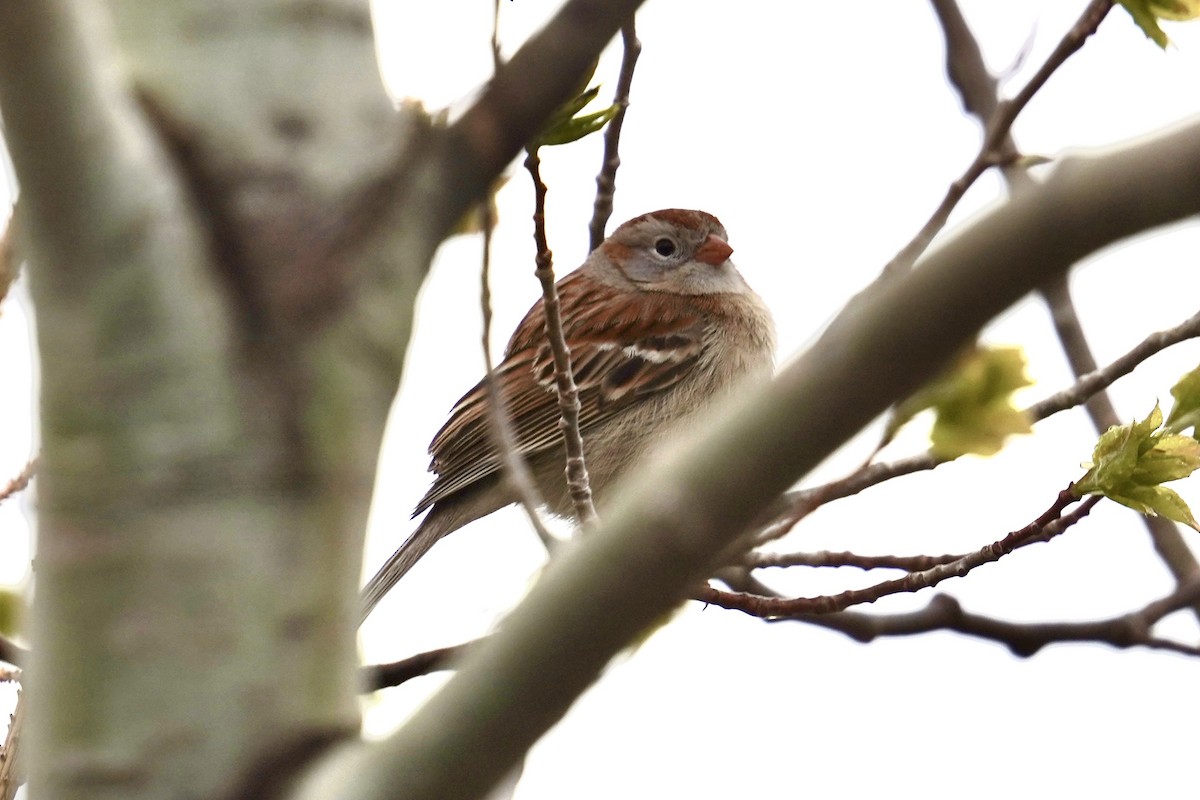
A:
x,y
802,502
1166,537
537,80
515,470
606,181
578,483
382,676
1051,523
965,66
677,517
1023,639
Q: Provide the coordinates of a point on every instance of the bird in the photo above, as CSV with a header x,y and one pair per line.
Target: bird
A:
x,y
660,325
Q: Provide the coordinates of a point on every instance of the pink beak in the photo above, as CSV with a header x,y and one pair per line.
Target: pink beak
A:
x,y
715,251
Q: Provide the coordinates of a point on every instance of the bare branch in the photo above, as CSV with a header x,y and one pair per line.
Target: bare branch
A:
x,y
578,483
830,558
1050,523
802,502
1022,639
516,472
681,512
382,676
1166,537
996,148
977,88
537,80
606,181
1097,380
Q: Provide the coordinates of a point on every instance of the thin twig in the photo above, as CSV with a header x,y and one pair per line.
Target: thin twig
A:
x,y
382,676
1052,521
1094,381
22,480
516,472
1166,537
992,151
1024,639
802,502
578,483
606,181
831,558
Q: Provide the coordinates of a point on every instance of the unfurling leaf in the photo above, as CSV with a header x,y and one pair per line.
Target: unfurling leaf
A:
x,y
1186,411
1131,461
564,127
1147,13
972,403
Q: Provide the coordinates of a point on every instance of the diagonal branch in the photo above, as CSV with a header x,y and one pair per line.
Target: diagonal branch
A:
x,y
538,79
681,512
1165,535
382,676
802,502
997,147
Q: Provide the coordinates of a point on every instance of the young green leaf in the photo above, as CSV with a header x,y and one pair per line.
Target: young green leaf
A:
x,y
1147,13
972,403
1131,461
564,127
1185,413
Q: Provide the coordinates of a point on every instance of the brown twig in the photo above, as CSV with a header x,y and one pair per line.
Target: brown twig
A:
x,y
19,483
1168,542
1091,382
802,502
578,483
944,613
382,676
606,181
993,151
516,472
1052,521
831,558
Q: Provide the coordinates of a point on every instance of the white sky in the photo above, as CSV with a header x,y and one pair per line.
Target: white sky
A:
x,y
823,139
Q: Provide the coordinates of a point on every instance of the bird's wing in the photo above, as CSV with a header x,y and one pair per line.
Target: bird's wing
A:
x,y
622,350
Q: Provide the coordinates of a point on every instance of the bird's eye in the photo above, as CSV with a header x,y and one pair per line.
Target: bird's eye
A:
x,y
665,247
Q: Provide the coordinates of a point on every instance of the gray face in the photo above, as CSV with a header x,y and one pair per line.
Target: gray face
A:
x,y
673,251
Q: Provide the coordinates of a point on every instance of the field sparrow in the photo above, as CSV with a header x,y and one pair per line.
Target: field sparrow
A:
x,y
659,323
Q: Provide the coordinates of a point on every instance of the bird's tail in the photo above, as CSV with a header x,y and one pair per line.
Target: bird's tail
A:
x,y
399,563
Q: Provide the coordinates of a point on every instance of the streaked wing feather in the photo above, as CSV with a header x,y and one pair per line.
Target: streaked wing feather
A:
x,y
624,356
